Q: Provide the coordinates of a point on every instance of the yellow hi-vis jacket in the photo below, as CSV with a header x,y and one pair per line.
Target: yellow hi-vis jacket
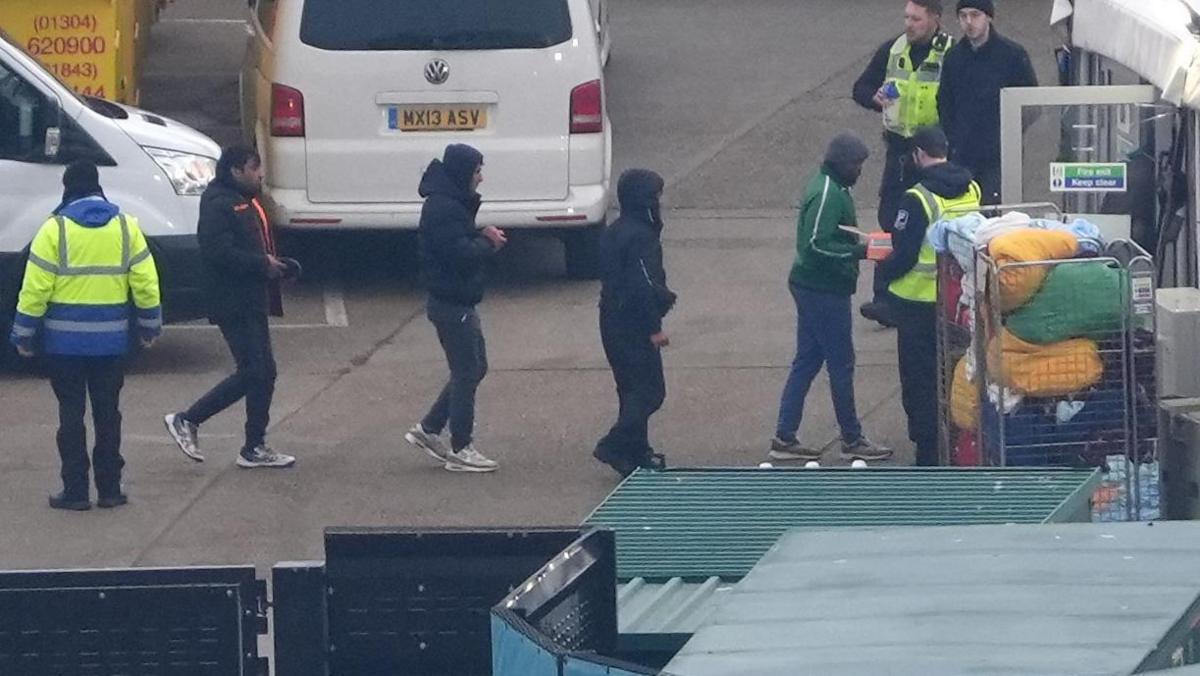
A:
x,y
917,83
79,280
920,284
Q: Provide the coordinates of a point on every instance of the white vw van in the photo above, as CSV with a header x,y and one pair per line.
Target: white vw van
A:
x,y
152,167
349,100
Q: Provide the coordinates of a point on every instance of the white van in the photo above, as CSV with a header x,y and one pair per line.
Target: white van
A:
x,y
150,166
349,100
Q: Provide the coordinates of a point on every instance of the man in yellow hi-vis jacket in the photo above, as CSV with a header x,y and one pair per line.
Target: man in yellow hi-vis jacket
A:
x,y
84,264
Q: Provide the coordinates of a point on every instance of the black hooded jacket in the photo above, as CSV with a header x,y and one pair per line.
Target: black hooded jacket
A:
x,y
634,283
234,244
947,180
452,250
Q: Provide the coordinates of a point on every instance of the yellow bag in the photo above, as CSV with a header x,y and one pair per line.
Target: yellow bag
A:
x,y
964,399
1027,245
1052,370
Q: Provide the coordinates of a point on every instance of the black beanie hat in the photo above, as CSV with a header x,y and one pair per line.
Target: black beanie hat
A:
x,y
461,161
80,179
846,149
985,6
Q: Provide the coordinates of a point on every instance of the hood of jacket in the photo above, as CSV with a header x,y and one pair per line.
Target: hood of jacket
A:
x,y
437,181
90,212
946,179
638,191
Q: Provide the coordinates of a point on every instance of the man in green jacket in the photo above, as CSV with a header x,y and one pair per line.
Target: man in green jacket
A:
x,y
823,279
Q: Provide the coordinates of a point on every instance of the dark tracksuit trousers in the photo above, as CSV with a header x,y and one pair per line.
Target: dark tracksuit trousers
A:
x,y
249,339
916,342
74,380
641,387
461,334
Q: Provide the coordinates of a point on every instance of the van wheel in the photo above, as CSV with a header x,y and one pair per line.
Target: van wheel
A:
x,y
582,248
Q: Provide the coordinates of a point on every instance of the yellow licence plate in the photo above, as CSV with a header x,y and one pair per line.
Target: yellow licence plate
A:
x,y
437,118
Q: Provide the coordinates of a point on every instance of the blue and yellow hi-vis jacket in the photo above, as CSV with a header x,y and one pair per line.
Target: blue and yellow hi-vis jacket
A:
x,y
84,264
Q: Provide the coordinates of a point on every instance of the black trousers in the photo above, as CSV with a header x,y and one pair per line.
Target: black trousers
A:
x,y
988,179
249,339
916,342
75,379
641,388
461,334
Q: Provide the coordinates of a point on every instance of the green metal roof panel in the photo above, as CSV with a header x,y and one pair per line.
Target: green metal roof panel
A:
x,y
1012,600
701,523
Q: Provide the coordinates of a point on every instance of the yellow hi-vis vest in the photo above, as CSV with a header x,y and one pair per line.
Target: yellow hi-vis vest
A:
x,y
920,284
917,83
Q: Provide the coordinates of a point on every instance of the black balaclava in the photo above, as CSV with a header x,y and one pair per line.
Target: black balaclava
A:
x,y
638,191
845,156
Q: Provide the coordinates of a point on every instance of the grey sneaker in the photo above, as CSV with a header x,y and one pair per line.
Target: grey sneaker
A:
x,y
791,450
185,435
865,449
428,442
264,456
467,459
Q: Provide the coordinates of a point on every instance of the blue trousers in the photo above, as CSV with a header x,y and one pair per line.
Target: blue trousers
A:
x,y
823,337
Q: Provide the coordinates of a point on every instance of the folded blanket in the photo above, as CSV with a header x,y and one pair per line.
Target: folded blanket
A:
x,y
1028,245
1077,300
1053,370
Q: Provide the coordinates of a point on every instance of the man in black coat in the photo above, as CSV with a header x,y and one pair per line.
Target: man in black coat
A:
x,y
976,69
634,298
453,252
241,273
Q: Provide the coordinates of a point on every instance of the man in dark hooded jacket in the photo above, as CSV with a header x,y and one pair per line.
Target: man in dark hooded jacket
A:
x,y
453,252
634,298
945,189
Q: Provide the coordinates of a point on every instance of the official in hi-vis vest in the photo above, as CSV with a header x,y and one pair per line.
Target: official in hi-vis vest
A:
x,y
85,264
945,190
901,82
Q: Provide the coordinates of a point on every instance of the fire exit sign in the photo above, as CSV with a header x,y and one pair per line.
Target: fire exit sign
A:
x,y
1087,177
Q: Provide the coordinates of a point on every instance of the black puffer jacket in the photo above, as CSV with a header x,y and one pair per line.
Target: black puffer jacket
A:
x,y
634,283
452,249
233,250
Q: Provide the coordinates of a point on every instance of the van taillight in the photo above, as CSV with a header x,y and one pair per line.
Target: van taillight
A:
x,y
287,111
587,109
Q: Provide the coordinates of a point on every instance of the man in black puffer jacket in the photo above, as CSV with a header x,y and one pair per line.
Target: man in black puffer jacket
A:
x,y
453,253
634,299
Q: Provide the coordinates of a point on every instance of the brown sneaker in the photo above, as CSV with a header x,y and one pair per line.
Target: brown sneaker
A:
x,y
791,450
865,449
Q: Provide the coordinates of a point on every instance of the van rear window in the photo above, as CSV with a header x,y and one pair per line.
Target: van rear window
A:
x,y
365,25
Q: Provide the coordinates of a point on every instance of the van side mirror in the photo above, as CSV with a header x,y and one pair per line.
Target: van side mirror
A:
x,y
53,141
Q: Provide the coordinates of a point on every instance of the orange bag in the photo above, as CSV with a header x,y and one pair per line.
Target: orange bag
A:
x,y
1052,370
1027,245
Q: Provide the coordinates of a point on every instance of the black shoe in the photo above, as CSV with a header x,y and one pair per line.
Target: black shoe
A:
x,y
878,312
618,462
110,501
61,501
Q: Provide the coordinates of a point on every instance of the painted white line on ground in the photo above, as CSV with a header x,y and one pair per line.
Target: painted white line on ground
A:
x,y
207,327
335,307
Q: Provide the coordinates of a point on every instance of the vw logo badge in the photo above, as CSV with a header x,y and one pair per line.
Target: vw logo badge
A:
x,y
437,72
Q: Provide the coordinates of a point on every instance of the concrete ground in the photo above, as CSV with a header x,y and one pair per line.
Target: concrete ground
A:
x,y
732,101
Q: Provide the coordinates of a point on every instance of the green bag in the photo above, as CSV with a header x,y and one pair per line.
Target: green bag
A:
x,y
1077,300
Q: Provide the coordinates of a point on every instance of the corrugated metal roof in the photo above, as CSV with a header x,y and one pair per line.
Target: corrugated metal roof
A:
x,y
1059,599
701,523
671,607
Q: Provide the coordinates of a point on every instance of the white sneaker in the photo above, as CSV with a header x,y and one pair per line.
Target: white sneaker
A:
x,y
429,442
185,434
467,459
264,456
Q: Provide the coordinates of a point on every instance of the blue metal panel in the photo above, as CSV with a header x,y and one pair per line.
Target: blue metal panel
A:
x,y
515,654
